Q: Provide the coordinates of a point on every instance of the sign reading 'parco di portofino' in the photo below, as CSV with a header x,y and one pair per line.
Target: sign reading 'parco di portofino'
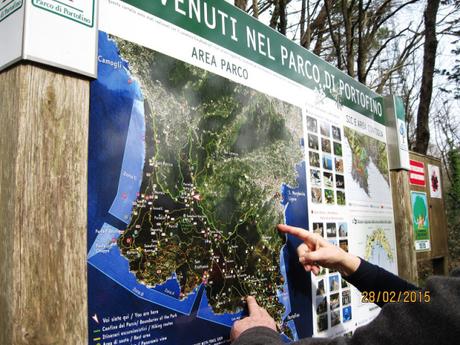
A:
x,y
80,11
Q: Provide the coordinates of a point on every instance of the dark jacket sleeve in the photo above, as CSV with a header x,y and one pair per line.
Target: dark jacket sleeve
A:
x,y
369,277
266,336
258,336
426,323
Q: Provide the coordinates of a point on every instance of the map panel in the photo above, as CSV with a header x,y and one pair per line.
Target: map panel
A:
x,y
379,250
366,168
207,170
196,153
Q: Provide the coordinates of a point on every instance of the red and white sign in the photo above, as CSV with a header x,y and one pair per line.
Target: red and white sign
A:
x,y
417,173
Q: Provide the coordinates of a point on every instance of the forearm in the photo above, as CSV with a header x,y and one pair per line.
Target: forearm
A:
x,y
421,323
370,277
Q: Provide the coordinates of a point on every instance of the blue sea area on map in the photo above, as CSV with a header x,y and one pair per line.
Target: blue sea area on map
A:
x,y
106,238
298,282
132,166
108,298
117,111
113,96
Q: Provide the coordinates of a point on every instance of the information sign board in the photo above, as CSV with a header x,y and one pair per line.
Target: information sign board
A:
x,y
56,33
208,129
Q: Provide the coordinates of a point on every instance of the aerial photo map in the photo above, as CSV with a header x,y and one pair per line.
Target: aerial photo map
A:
x,y
368,172
189,175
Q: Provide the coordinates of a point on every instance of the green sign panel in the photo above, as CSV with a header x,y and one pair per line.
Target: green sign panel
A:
x,y
227,26
420,220
399,108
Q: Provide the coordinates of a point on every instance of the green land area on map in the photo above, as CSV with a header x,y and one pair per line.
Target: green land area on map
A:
x,y
365,149
217,154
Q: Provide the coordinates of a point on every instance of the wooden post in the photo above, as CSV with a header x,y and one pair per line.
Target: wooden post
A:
x,y
407,260
43,189
435,259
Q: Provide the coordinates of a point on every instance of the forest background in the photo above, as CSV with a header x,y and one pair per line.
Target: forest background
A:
x,y
409,48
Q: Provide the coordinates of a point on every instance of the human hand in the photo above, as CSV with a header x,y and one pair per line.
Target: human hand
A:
x,y
316,251
258,317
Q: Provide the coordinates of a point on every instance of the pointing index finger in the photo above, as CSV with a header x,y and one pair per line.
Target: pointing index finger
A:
x,y
297,232
253,307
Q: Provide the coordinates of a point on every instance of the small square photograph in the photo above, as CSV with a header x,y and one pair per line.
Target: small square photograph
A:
x,y
316,196
339,165
327,162
346,313
315,177
343,229
344,245
335,318
322,271
331,230
329,196
314,159
320,287
336,133
334,242
334,283
325,129
318,229
313,142
346,297
328,179
334,301
338,149
345,284
325,145
321,304
339,181
322,322
312,124
341,198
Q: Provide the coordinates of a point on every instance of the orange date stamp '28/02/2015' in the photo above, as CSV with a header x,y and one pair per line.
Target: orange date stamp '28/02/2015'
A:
x,y
411,296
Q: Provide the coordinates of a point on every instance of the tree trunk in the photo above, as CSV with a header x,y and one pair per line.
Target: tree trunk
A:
x,y
335,38
255,8
275,14
361,47
347,13
302,21
317,26
243,4
426,89
283,17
